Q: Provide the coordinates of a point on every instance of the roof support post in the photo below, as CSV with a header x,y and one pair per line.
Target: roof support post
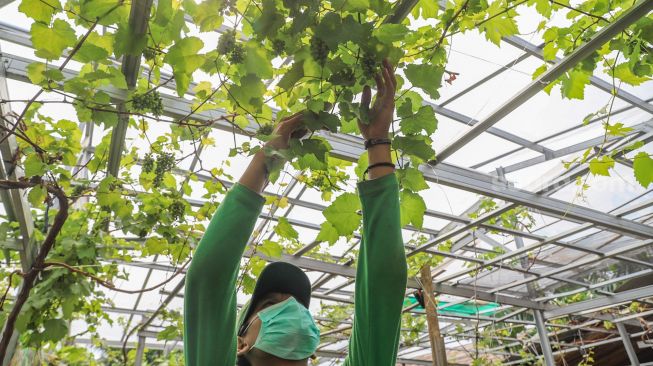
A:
x,y
628,345
544,338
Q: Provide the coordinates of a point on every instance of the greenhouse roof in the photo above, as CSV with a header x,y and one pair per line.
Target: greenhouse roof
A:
x,y
520,227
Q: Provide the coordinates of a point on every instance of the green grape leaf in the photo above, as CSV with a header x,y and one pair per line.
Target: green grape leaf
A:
x,y
343,213
292,76
126,43
426,77
35,72
643,168
285,230
573,84
34,166
184,58
419,146
257,62
249,94
498,25
54,329
625,74
411,178
328,233
601,166
271,249
267,25
351,5
156,245
412,208
423,120
617,129
37,195
96,48
40,10
50,43
388,33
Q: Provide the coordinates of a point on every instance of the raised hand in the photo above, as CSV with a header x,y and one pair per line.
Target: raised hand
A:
x,y
292,126
382,112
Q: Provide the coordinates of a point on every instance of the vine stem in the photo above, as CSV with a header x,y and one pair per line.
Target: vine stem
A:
x,y
29,277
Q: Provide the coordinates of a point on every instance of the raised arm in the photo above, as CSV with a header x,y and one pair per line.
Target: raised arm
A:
x,y
381,271
210,292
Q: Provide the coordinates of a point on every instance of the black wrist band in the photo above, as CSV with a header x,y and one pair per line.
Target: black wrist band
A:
x,y
372,142
385,163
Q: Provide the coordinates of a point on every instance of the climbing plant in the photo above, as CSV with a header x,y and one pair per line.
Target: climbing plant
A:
x,y
280,57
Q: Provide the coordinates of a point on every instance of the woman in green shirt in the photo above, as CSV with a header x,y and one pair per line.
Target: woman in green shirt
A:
x,y
275,328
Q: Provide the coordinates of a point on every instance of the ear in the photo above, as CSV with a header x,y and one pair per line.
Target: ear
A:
x,y
242,347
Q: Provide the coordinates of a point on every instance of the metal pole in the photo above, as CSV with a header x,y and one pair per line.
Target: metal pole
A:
x,y
628,345
140,350
544,338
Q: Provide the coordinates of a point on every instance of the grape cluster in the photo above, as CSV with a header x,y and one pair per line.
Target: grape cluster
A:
x,y
319,50
265,129
370,65
344,77
226,43
177,210
148,163
237,55
227,6
164,163
278,46
148,102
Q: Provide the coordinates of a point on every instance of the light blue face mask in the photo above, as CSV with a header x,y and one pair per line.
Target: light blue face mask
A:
x,y
288,331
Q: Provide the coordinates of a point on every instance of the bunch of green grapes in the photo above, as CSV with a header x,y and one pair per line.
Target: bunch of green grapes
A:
x,y
148,102
278,46
227,46
177,210
319,50
148,163
370,65
164,164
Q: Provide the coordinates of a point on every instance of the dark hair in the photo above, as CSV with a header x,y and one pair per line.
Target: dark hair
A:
x,y
242,361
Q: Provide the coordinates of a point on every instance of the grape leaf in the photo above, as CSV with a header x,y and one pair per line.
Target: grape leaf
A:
x,y
643,168
626,75
412,178
328,233
50,43
573,84
285,230
417,145
424,120
271,248
184,58
601,166
426,77
412,208
40,10
388,33
343,213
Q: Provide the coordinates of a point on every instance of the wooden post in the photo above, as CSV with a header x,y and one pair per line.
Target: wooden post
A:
x,y
438,351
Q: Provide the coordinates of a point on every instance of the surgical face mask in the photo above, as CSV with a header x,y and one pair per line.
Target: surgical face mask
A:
x,y
288,331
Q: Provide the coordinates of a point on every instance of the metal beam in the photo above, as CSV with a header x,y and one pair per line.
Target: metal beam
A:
x,y
544,338
16,206
628,344
605,301
534,50
4,3
631,15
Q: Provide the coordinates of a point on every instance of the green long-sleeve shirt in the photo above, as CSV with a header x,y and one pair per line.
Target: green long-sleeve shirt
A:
x,y
210,294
